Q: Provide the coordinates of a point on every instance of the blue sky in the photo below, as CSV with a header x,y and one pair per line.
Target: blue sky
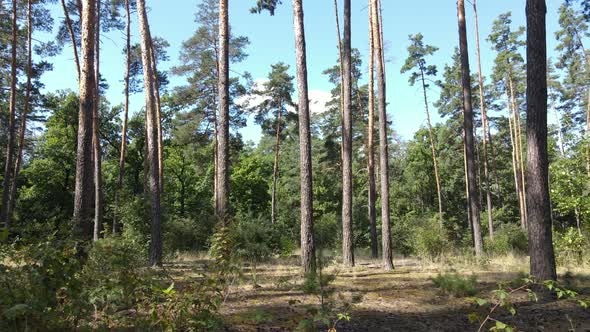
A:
x,y
272,41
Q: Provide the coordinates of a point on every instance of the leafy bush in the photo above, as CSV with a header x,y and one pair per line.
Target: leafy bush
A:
x,y
508,238
570,246
430,240
184,234
456,285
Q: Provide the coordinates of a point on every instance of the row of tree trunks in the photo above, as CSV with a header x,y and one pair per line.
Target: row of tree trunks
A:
x,y
308,258
468,127
151,136
484,126
376,25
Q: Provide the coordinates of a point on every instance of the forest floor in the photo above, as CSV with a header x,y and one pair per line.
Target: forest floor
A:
x,y
405,299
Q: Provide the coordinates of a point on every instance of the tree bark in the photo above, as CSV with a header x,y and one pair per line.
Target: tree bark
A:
x,y
370,145
154,64
26,109
433,148
468,127
125,116
383,137
540,233
4,217
308,259
223,93
516,171
98,194
84,167
152,136
517,149
484,127
275,170
347,235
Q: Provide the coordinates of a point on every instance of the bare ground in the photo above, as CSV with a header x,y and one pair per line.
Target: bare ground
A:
x,y
402,300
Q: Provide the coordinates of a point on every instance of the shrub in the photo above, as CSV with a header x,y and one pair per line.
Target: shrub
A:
x,y
507,238
570,246
456,285
186,234
430,240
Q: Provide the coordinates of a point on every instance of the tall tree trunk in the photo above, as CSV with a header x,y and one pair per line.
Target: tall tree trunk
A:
x,y
433,148
468,127
72,36
223,93
518,148
125,116
154,63
4,217
540,234
383,137
98,194
84,166
308,259
370,145
26,109
469,221
347,236
494,164
515,169
484,127
275,170
152,136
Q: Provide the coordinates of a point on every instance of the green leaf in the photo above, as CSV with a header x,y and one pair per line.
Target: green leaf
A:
x,y
481,302
500,325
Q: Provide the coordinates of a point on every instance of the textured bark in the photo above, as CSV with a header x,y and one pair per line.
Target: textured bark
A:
x,y
433,150
370,146
539,213
83,193
98,194
468,128
25,112
156,79
223,117
347,236
308,259
152,137
275,169
383,137
4,217
125,116
484,127
469,222
72,36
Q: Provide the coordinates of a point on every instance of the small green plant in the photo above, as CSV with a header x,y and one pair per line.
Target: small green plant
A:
x,y
570,246
431,241
456,285
502,298
508,238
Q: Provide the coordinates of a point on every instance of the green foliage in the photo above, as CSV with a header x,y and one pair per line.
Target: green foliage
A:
x,y
508,238
187,234
430,240
456,285
571,247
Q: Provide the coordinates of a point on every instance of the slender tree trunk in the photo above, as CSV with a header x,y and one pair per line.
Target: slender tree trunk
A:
x,y
484,127
469,221
468,127
4,217
347,235
494,165
518,149
72,36
154,64
125,117
383,137
215,162
27,108
370,144
540,234
433,148
308,258
516,171
84,166
152,136
275,172
98,195
223,125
